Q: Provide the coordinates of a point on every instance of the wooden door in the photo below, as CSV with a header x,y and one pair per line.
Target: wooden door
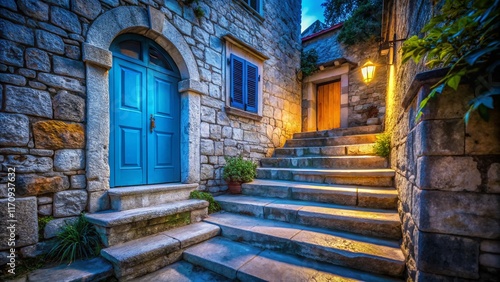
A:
x,y
328,106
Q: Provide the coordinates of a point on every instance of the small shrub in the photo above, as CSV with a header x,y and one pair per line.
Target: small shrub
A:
x,y
213,205
198,12
78,240
239,170
383,145
42,222
308,61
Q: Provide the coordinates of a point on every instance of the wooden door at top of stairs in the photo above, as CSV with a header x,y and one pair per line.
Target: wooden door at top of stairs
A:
x,y
328,106
145,125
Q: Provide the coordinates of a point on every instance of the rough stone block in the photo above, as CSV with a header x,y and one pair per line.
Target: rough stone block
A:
x,y
28,163
493,185
37,59
36,250
482,136
78,182
437,253
490,260
97,56
448,173
98,201
87,8
11,53
69,107
440,137
55,226
35,9
65,19
14,130
458,213
68,159
24,231
68,203
16,33
66,83
45,209
57,135
68,67
13,79
28,101
49,41
27,185
490,246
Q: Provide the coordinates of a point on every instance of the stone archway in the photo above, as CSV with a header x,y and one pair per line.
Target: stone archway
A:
x,y
150,23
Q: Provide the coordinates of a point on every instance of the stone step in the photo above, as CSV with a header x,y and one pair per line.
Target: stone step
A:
x,y
339,248
365,177
370,197
351,162
117,227
95,269
148,254
134,197
331,141
182,271
370,222
248,263
342,150
368,129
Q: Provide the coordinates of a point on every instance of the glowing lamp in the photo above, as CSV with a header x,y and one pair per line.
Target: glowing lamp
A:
x,y
368,71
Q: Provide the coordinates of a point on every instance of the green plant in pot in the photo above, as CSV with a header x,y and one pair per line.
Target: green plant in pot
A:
x,y
237,171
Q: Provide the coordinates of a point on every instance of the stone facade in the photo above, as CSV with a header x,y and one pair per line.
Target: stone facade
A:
x,y
361,101
54,93
446,171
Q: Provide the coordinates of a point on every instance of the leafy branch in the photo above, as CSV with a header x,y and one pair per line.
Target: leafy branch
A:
x,y
464,37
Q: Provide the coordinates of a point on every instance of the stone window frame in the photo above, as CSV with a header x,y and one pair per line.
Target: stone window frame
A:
x,y
239,48
309,90
259,14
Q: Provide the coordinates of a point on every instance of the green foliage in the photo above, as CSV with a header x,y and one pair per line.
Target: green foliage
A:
x,y
42,222
239,170
464,37
198,12
76,241
382,146
213,205
308,61
362,19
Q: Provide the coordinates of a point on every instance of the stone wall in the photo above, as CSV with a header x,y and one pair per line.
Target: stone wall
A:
x,y
446,171
361,96
45,86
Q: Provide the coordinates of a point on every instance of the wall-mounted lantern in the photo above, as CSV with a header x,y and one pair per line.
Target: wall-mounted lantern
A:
x,y
368,71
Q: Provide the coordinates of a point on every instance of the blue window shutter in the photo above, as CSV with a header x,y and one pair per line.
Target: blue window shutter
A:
x,y
252,87
237,82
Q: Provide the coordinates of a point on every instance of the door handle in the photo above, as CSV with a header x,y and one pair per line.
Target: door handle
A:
x,y
152,123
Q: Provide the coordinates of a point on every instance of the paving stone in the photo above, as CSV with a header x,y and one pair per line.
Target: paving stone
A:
x,y
16,33
58,134
69,107
65,19
26,223
14,130
28,184
95,269
69,203
11,53
29,101
69,159
49,41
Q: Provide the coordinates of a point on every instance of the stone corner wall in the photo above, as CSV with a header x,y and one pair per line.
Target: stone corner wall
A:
x,y
447,172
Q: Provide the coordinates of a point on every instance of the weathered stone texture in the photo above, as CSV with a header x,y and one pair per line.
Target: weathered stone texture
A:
x,y
68,67
15,32
58,135
55,226
66,83
34,9
28,163
37,59
14,130
493,185
69,107
11,53
65,19
69,203
78,182
68,159
25,231
49,42
29,185
87,8
28,101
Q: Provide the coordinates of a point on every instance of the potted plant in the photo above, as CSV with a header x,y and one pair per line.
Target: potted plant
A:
x,y
237,171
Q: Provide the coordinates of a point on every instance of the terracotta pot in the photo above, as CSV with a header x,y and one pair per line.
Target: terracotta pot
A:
x,y
234,187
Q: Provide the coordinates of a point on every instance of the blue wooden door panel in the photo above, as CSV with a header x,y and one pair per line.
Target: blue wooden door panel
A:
x,y
128,149
164,140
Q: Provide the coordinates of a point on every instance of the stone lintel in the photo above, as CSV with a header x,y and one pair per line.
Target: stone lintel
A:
x,y
192,86
236,41
97,56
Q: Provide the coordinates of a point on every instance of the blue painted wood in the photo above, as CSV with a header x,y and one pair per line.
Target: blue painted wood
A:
x,y
138,91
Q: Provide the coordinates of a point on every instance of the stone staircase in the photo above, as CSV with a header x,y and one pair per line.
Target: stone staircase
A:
x,y
322,208
148,227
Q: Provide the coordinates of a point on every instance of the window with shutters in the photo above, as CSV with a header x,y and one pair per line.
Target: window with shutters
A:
x,y
244,80
244,84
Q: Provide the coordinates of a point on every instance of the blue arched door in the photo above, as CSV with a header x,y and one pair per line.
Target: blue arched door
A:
x,y
145,114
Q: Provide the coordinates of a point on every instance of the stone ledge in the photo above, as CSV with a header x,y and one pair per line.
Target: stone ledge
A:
x,y
97,56
421,79
192,85
241,113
